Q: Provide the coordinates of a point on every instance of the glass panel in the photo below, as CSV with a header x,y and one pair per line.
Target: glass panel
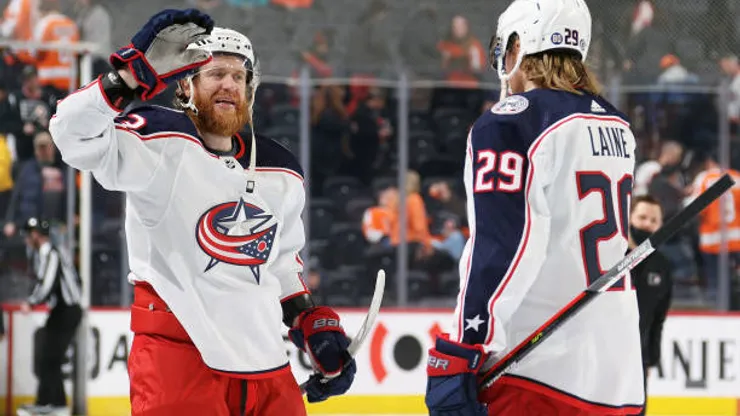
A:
x,y
677,130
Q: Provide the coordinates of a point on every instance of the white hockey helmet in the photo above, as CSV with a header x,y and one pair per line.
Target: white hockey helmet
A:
x,y
230,42
541,25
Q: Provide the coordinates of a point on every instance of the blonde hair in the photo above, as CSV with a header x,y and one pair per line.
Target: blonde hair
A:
x,y
560,71
413,182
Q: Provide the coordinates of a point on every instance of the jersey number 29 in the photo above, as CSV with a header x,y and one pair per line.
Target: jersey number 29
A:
x,y
611,224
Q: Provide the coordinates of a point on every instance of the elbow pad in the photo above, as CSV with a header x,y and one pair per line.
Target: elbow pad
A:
x,y
294,306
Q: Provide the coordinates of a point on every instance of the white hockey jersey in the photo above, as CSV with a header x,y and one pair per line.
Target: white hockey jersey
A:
x,y
222,258
548,176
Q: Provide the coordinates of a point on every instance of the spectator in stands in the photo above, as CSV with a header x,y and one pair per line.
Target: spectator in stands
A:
x,y
293,4
40,189
94,22
55,68
442,194
730,65
19,19
710,223
670,156
451,242
370,133
674,73
377,220
646,44
26,111
329,129
419,53
317,56
669,189
417,221
6,175
463,56
369,48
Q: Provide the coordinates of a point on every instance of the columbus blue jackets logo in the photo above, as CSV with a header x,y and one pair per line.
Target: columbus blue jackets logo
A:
x,y
236,233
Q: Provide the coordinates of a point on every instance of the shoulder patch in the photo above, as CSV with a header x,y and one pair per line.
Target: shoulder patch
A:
x,y
514,104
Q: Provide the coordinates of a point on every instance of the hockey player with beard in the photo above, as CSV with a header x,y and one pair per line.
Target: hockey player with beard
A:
x,y
213,226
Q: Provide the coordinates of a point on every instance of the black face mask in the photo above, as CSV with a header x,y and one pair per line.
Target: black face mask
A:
x,y
638,235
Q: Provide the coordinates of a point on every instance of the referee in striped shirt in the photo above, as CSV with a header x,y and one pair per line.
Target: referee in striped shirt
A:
x,y
57,284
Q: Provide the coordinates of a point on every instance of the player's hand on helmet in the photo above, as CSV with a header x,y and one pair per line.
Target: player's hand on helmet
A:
x,y
452,386
159,54
318,332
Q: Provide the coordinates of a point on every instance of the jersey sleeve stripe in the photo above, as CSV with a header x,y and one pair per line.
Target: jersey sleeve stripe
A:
x,y
281,170
92,84
166,135
295,295
469,255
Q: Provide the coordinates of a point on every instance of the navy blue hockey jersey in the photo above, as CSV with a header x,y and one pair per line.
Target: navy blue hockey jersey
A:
x,y
548,176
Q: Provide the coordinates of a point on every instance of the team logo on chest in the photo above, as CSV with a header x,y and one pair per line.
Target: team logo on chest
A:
x,y
236,233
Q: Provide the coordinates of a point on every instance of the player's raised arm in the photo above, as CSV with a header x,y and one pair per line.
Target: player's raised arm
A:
x,y
85,128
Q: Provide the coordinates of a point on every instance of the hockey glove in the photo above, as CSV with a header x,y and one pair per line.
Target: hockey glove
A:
x,y
319,334
452,388
158,53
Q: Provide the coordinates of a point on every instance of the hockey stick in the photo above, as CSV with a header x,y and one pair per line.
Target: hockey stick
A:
x,y
367,324
608,279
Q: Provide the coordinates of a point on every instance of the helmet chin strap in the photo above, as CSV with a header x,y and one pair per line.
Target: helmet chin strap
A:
x,y
191,99
251,169
506,76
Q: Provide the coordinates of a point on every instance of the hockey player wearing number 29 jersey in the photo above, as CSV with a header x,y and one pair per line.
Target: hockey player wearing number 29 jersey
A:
x,y
548,174
213,227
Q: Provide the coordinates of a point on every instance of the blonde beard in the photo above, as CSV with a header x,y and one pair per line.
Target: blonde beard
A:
x,y
209,120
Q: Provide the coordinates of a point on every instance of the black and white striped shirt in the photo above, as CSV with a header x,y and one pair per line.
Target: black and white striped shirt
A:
x,y
57,280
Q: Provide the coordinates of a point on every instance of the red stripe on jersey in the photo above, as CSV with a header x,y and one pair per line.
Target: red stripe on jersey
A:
x,y
167,135
97,81
295,295
280,170
242,148
527,221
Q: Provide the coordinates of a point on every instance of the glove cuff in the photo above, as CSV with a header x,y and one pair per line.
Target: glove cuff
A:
x,y
115,90
318,319
294,306
136,63
449,357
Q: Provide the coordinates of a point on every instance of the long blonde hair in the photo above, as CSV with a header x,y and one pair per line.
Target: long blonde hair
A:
x,y
560,71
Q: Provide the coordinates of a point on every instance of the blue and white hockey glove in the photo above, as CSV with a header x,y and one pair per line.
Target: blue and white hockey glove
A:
x,y
319,333
159,54
452,387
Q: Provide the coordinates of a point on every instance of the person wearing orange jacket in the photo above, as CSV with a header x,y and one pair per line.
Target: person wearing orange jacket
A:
x,y
55,68
710,222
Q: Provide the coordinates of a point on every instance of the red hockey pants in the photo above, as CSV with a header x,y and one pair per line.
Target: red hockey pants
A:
x,y
169,378
507,399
